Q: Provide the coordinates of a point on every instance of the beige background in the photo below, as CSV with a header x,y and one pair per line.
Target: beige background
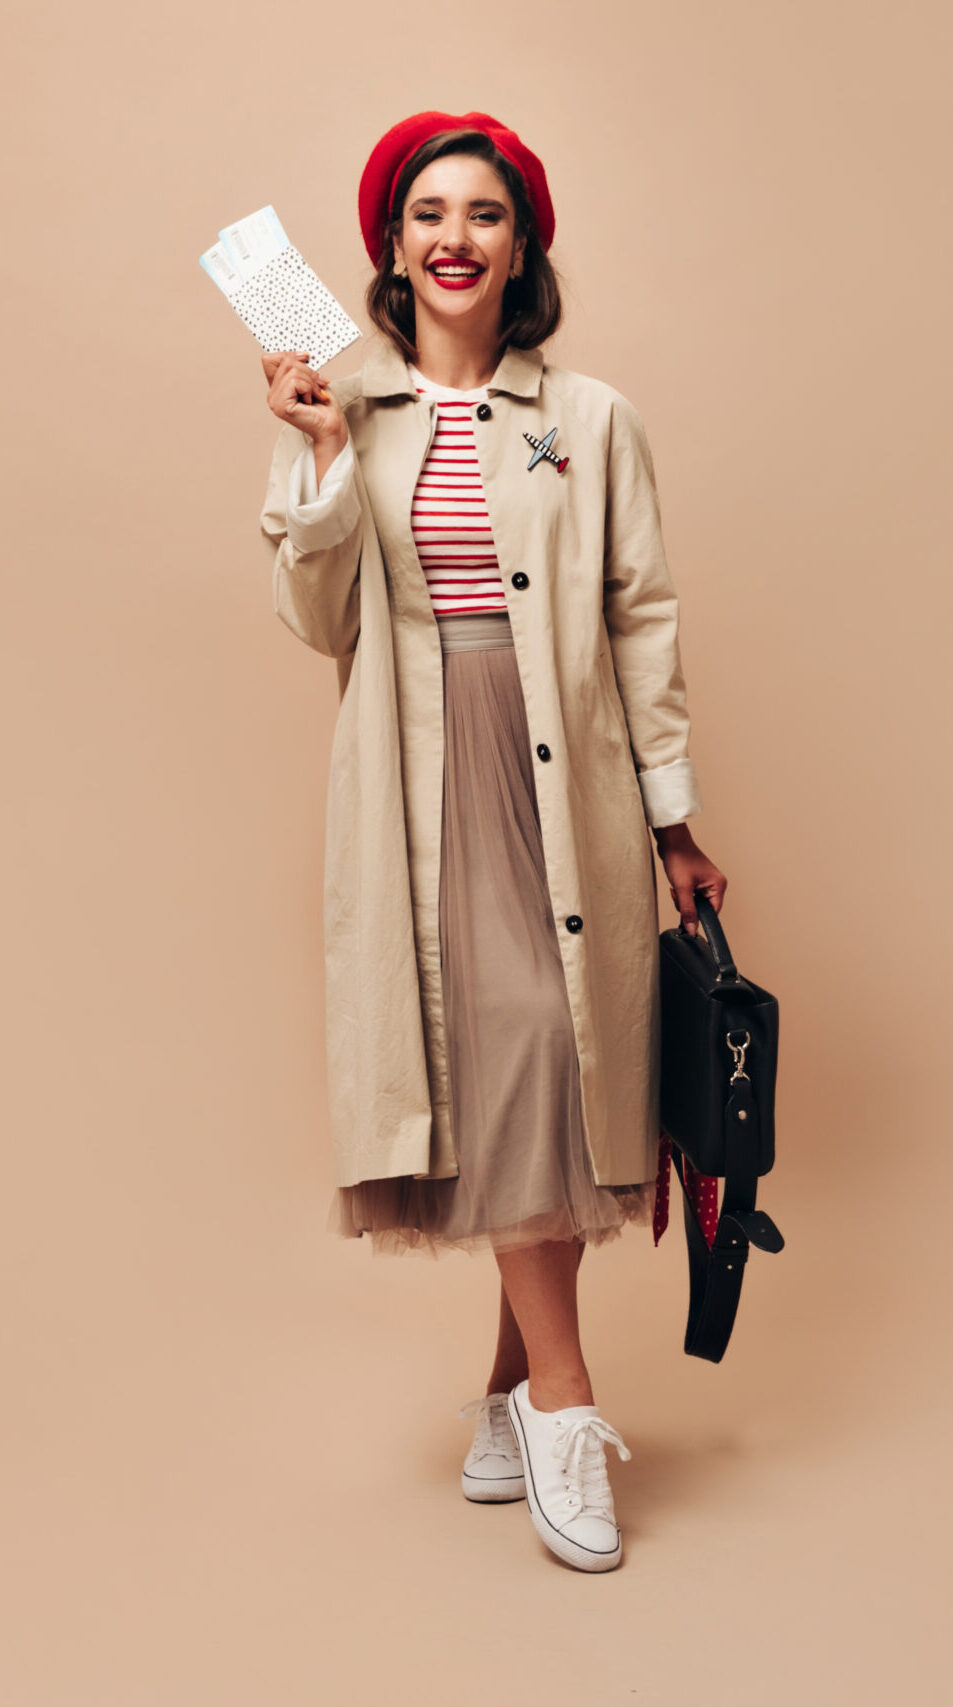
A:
x,y
231,1453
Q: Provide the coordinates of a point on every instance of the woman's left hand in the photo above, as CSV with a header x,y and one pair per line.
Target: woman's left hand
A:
x,y
688,869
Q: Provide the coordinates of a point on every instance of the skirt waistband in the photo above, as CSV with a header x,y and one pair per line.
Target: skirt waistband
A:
x,y
480,631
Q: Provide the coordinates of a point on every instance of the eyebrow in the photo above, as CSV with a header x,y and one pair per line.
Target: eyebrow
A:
x,y
438,201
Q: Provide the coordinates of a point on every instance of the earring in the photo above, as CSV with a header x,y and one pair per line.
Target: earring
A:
x,y
516,272
400,269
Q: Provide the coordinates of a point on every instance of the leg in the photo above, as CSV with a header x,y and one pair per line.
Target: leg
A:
x,y
510,1364
539,1284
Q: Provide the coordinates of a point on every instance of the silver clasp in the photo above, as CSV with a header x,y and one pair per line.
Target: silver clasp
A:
x,y
738,1051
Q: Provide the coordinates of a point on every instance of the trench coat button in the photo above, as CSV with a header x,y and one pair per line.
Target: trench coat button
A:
x,y
574,922
520,580
484,412
543,751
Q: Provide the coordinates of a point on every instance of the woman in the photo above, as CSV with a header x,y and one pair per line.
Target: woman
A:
x,y
474,535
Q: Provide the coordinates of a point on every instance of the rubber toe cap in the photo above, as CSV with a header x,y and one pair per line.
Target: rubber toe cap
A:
x,y
596,1534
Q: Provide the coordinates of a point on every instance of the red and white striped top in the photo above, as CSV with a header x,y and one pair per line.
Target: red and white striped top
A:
x,y
449,517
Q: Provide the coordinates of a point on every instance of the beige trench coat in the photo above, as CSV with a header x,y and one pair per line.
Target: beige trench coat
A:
x,y
595,624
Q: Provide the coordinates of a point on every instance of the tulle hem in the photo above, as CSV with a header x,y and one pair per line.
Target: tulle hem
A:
x,y
354,1214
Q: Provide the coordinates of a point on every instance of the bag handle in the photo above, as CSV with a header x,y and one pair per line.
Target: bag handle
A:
x,y
714,933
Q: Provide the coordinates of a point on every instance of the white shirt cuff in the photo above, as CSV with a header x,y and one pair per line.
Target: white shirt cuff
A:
x,y
670,793
317,521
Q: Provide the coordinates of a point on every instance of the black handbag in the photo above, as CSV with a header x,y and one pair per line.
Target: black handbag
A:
x,y
718,1075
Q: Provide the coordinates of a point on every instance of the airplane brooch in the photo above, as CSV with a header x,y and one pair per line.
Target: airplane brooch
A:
x,y
542,452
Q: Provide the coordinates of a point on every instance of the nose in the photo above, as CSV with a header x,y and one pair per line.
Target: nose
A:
x,y
456,236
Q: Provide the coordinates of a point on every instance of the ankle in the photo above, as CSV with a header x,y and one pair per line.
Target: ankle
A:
x,y
554,1392
504,1377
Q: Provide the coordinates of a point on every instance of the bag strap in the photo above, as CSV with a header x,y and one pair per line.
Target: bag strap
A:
x,y
715,1275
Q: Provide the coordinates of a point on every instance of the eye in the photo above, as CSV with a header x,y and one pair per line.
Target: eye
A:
x,y
426,215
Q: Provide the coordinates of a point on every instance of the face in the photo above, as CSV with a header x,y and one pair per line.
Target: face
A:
x,y
459,238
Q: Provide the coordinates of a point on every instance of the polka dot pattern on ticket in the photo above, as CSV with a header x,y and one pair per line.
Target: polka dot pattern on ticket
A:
x,y
287,307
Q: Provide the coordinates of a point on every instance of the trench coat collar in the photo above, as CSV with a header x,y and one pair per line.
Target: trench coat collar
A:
x,y
385,373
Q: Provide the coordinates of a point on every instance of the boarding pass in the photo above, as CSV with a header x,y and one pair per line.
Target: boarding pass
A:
x,y
274,291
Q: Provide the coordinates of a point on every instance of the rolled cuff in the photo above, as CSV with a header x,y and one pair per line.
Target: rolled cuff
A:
x,y
670,793
316,521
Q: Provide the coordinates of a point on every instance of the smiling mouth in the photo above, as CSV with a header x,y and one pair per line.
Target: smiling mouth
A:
x,y
456,275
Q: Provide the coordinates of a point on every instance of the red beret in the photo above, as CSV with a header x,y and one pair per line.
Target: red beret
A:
x,y
376,192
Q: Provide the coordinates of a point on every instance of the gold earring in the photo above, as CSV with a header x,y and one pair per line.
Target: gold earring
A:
x,y
400,269
516,272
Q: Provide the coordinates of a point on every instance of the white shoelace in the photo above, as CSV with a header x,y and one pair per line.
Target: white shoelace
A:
x,y
494,1433
579,1449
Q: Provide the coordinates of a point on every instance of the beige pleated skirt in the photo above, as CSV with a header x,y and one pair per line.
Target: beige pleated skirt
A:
x,y
513,1069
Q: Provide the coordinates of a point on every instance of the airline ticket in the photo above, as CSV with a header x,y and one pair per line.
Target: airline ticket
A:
x,y
274,292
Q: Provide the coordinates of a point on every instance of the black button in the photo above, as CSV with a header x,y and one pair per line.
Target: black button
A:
x,y
520,580
574,922
543,751
484,412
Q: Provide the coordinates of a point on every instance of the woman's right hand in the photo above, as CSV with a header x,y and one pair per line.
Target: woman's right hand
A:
x,y
300,396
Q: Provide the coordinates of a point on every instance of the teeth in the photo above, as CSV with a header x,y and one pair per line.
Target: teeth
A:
x,y
456,272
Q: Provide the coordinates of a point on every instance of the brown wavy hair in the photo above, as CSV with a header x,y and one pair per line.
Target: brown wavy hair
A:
x,y
532,309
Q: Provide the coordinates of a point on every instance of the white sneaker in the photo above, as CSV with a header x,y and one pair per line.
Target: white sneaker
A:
x,y
493,1469
567,1483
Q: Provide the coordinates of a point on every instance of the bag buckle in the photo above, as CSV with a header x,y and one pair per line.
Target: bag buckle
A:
x,y
739,1050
